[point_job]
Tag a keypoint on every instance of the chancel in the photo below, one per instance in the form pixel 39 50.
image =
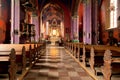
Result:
pixel 59 40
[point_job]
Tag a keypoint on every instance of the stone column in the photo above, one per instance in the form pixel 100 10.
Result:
pixel 15 21
pixel 95 22
pixel 12 20
pixel 87 24
pixel 72 19
pixel 36 27
pixel 46 29
pixel 62 29
pixel 75 27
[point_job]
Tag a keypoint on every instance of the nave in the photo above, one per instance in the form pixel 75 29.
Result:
pixel 57 64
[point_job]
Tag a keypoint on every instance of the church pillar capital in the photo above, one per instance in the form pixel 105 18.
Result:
pixel 75 16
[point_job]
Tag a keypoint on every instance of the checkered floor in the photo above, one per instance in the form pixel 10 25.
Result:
pixel 56 64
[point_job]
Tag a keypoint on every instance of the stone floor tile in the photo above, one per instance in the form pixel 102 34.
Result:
pixel 56 64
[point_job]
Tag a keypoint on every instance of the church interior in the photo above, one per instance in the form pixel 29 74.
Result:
pixel 59 40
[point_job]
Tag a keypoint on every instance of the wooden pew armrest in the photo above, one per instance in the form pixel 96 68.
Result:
pixel 116 60
pixel 4 58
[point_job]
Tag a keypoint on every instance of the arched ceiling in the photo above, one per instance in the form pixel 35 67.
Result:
pixel 71 5
pixel 52 8
pixel 52 11
pixel 67 3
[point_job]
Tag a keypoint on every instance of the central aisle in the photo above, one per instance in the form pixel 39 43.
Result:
pixel 56 64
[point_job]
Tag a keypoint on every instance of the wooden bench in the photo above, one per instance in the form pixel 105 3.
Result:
pixel 7 64
pixel 98 58
pixel 111 62
pixel 95 56
pixel 24 53
pixel 6 48
pixel 25 57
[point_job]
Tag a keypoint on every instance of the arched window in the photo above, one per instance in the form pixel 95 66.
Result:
pixel 113 14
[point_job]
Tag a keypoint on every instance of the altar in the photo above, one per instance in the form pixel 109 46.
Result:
pixel 54 40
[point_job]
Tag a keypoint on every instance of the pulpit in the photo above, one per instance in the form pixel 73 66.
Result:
pixel 27 33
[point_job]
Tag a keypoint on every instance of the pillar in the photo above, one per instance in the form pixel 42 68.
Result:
pixel 15 21
pixel 72 19
pixel 75 28
pixel 62 29
pixel 47 28
pixel 95 22
pixel 36 23
pixel 87 23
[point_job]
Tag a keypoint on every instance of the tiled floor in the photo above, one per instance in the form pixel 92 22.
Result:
pixel 56 64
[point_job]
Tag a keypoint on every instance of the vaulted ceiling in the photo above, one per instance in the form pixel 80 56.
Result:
pixel 55 8
pixel 72 5
pixel 67 3
pixel 52 9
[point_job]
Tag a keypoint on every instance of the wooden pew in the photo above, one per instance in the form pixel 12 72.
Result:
pixel 31 53
pixel 97 56
pixel 20 53
pixel 9 59
pixel 13 66
pixel 5 50
pixel 80 51
pixel 94 55
pixel 24 53
pixel 106 68
pixel 111 62
pixel 41 48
